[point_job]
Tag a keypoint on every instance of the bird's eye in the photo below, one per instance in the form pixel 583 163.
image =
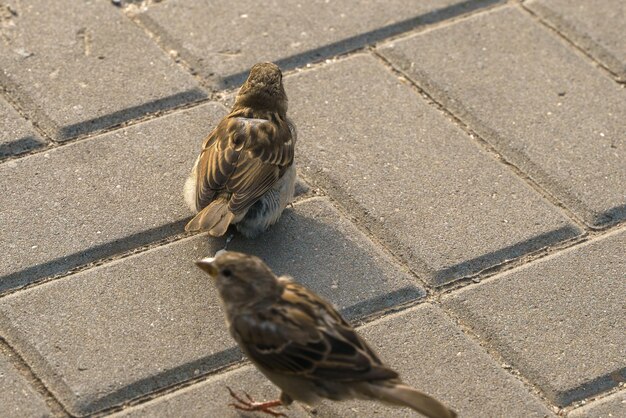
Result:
pixel 227 273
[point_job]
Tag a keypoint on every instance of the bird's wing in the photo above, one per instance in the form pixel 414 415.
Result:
pixel 245 157
pixel 305 336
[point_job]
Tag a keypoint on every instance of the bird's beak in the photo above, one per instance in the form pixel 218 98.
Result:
pixel 207 265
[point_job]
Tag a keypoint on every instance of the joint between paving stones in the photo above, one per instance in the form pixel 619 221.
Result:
pixel 451 20
pixel 146 117
pixel 7 91
pixel 115 120
pixel 361 224
pixel 592 399
pixel 10 289
pixel 363 228
pixel 165 390
pixel 33 380
pixel 588 56
pixel 470 333
pixel 168 46
pixel 527 259
pixel 505 266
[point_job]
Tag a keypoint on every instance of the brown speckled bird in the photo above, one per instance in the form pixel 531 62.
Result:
pixel 245 174
pixel 301 343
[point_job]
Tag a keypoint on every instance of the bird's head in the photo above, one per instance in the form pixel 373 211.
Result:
pixel 241 279
pixel 263 89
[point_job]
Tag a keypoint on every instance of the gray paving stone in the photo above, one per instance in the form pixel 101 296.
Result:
pixel 222 40
pixel 17 134
pixel 115 332
pixel 611 406
pixel 76 67
pixel 17 398
pixel 210 398
pixel 541 104
pixel 559 320
pixel 97 197
pixel 431 353
pixel 598 27
pixel 420 183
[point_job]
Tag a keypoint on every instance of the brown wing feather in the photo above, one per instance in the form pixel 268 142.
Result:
pixel 307 337
pixel 244 156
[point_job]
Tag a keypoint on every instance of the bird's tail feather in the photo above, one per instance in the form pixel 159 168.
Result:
pixel 403 395
pixel 215 218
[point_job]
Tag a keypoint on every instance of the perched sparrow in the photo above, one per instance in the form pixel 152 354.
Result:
pixel 301 343
pixel 245 173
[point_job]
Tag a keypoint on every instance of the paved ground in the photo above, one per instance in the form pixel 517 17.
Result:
pixel 462 199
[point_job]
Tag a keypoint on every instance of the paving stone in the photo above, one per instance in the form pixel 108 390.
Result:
pixel 419 182
pixel 17 398
pixel 210 398
pixel 222 40
pixel 597 27
pixel 97 197
pixel 559 320
pixel 526 91
pixel 612 406
pixel 124 329
pixel 75 67
pixel 17 134
pixel 431 353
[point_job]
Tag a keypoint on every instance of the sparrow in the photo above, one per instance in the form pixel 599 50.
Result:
pixel 301 343
pixel 245 174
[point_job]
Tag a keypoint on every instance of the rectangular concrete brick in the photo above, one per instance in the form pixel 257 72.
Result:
pixel 221 40
pixel 419 182
pixel 17 134
pixel 97 197
pixel 526 91
pixel 78 67
pixel 560 320
pixel 17 397
pixel 211 399
pixel 612 406
pixel 124 329
pixel 432 354
pixel 598 27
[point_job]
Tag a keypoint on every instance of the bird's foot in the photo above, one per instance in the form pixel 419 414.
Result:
pixel 251 406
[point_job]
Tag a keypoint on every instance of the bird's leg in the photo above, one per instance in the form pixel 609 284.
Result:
pixel 223 250
pixel 228 240
pixel 250 405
